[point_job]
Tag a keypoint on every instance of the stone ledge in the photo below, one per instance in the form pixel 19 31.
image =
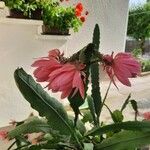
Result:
pixel 21 21
pixel 52 37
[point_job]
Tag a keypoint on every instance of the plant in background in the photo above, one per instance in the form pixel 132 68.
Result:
pixel 58 130
pixel 139 24
pixel 26 7
pixel 58 19
pixel 137 52
pixel 145 63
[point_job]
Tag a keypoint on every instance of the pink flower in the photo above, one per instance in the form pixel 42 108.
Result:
pixel 68 80
pixel 55 53
pixel 61 77
pixel 146 115
pixel 123 66
pixel 46 65
pixel 3 135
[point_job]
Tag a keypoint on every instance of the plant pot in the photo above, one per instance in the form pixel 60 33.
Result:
pixel 37 14
pixel 53 31
pixel 13 13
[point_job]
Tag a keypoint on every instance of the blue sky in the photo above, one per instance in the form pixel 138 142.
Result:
pixel 136 2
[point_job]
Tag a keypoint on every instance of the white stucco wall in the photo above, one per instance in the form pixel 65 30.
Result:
pixel 111 15
pixel 19 45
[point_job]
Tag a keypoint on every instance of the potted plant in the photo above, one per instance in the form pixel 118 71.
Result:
pixel 27 9
pixel 58 19
pixel 58 130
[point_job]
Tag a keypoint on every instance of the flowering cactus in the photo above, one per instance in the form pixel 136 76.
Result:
pixel 70 76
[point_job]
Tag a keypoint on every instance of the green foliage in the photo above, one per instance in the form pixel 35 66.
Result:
pixel 92 108
pixel 87 117
pixel 76 101
pixel 125 140
pixel 52 146
pixel 88 146
pixel 135 107
pixel 129 125
pixel 69 133
pixel 96 37
pixel 25 6
pixel 126 103
pixel 46 106
pixel 137 52
pixel 60 17
pixel 32 125
pixel 117 116
pixel 79 125
pixel 145 65
pixel 42 102
pixel 133 104
pixel 96 95
pixel 139 19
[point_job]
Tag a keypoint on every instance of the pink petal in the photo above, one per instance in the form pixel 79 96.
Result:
pixel 122 55
pixel 61 80
pixel 41 75
pixel 123 79
pixel 65 68
pixel 66 93
pixel 41 62
pixel 54 53
pixel 110 73
pixel 120 69
pixel 78 83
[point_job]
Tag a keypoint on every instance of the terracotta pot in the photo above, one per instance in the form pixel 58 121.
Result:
pixel 54 31
pixel 13 13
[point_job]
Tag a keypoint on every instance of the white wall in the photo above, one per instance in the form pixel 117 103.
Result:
pixel 18 48
pixel 19 45
pixel 111 15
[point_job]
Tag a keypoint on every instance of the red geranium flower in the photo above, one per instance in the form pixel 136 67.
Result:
pixel 123 66
pixel 77 13
pixel 79 7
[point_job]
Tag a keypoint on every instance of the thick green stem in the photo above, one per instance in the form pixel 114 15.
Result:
pixel 105 97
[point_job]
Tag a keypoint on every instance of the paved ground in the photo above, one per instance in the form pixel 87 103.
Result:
pixel 140 91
